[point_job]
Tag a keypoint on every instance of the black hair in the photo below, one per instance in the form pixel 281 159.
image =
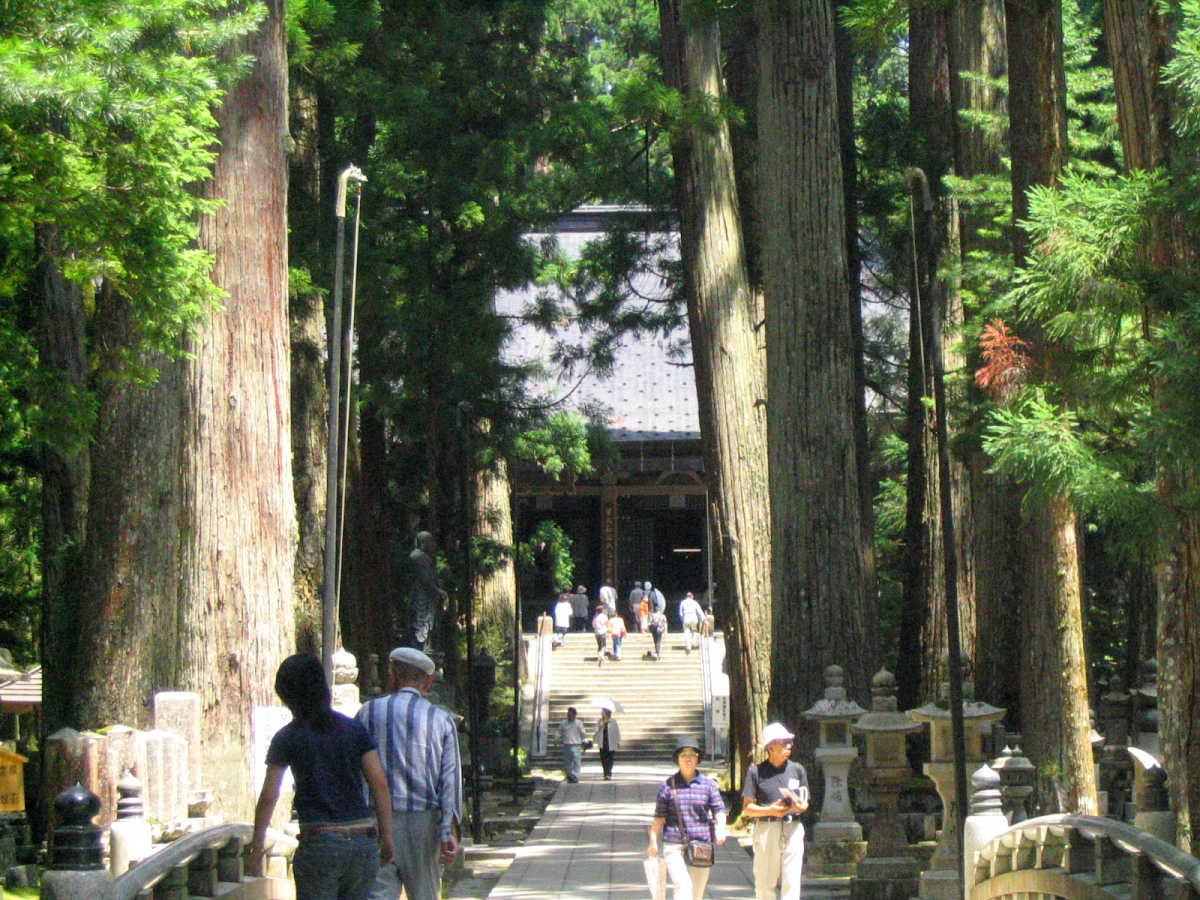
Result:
pixel 300 684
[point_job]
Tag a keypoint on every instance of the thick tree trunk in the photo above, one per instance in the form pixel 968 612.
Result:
pixel 310 210
pixel 822 585
pixel 495 588
pixel 730 365
pixel 987 513
pixel 65 475
pixel 1055 720
pixel 1139 40
pixel 236 622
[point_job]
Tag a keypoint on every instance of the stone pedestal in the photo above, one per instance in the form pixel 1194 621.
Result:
pixel 888 872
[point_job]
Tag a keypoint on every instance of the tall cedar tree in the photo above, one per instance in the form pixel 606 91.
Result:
pixel 1139 37
pixel 729 359
pixel 185 594
pixel 822 584
pixel 1055 721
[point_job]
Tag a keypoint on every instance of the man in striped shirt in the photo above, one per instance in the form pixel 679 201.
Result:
pixel 418 745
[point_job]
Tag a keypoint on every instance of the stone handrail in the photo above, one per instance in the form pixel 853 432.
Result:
pixel 1088 856
pixel 218 849
pixel 710 749
pixel 540 702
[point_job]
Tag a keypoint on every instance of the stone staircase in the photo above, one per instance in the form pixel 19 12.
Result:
pixel 661 699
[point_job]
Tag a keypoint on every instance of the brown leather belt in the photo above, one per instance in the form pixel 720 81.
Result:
pixel 365 830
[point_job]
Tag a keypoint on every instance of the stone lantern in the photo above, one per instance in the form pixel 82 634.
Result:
pixel 888 871
pixel 940 881
pixel 1017 776
pixel 837 837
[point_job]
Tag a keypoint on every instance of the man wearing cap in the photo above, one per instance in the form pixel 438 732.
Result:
pixel 774 795
pixel 418 745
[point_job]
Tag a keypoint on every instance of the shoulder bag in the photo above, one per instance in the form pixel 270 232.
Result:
pixel 701 854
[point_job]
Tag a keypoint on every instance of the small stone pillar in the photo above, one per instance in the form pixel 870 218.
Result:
pixel 1146 719
pixel 76 857
pixel 129 835
pixel 888 872
pixel 1017 775
pixel 346 699
pixel 1150 796
pixel 985 822
pixel 940 880
pixel 837 837
pixel 371 677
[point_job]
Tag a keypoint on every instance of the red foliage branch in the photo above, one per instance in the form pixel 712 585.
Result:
pixel 1006 360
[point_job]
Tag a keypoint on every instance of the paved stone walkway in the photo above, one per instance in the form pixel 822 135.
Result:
pixel 591 841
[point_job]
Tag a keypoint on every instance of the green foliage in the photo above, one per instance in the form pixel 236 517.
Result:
pixel 558 447
pixel 549 547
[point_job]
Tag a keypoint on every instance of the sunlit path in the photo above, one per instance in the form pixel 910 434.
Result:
pixel 592 840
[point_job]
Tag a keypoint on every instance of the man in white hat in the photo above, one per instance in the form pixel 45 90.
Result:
pixel 418 746
pixel 774 794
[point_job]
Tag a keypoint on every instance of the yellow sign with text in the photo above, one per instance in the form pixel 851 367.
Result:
pixel 12 781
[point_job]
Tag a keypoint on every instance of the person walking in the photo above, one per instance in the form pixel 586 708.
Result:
pixel 562 612
pixel 572 736
pixel 617 632
pixel 341 846
pixel 600 630
pixel 691 615
pixel 657 601
pixel 688 807
pixel 635 602
pixel 424 772
pixel 579 608
pixel 658 627
pixel 607 740
pixel 774 794
pixel 608 596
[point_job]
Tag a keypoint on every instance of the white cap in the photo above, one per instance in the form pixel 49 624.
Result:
pixel 775 732
pixel 412 657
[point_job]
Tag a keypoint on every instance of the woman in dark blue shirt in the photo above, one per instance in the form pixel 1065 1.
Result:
pixel 330 755
pixel 688 807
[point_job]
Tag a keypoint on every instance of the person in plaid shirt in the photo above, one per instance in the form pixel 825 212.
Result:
pixel 695 799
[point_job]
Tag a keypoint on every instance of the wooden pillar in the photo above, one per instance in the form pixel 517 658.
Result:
pixel 608 532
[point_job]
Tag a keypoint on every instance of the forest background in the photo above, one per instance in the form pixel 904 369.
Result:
pixel 167 172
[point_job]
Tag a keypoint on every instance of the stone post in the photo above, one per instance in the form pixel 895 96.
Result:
pixel 76 857
pixel 888 872
pixel 940 881
pixel 985 822
pixel 129 837
pixel 1017 776
pixel 837 837
pixel 1146 720
pixel 1153 813
pixel 346 699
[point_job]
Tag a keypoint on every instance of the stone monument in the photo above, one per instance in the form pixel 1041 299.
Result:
pixel 888 872
pixel 837 837
pixel 941 880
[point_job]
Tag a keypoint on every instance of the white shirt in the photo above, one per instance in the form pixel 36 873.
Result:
pixel 562 614
pixel 571 732
pixel 690 611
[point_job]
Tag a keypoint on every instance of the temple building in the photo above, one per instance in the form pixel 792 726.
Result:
pixel 642 515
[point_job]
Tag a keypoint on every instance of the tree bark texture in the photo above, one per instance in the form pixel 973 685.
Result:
pixel 1142 35
pixel 64 472
pixel 822 585
pixel 1037 93
pixel 1055 720
pixel 987 506
pixel 729 360
pixel 1055 715
pixel 236 621
pixel 309 210
pixel 495 590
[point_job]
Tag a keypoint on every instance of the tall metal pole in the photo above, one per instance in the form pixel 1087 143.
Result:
pixel 949 547
pixel 465 429
pixel 329 590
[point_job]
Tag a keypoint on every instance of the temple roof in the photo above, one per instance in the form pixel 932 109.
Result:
pixel 650 392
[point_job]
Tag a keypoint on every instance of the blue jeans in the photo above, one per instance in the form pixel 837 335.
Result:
pixel 616 639
pixel 334 865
